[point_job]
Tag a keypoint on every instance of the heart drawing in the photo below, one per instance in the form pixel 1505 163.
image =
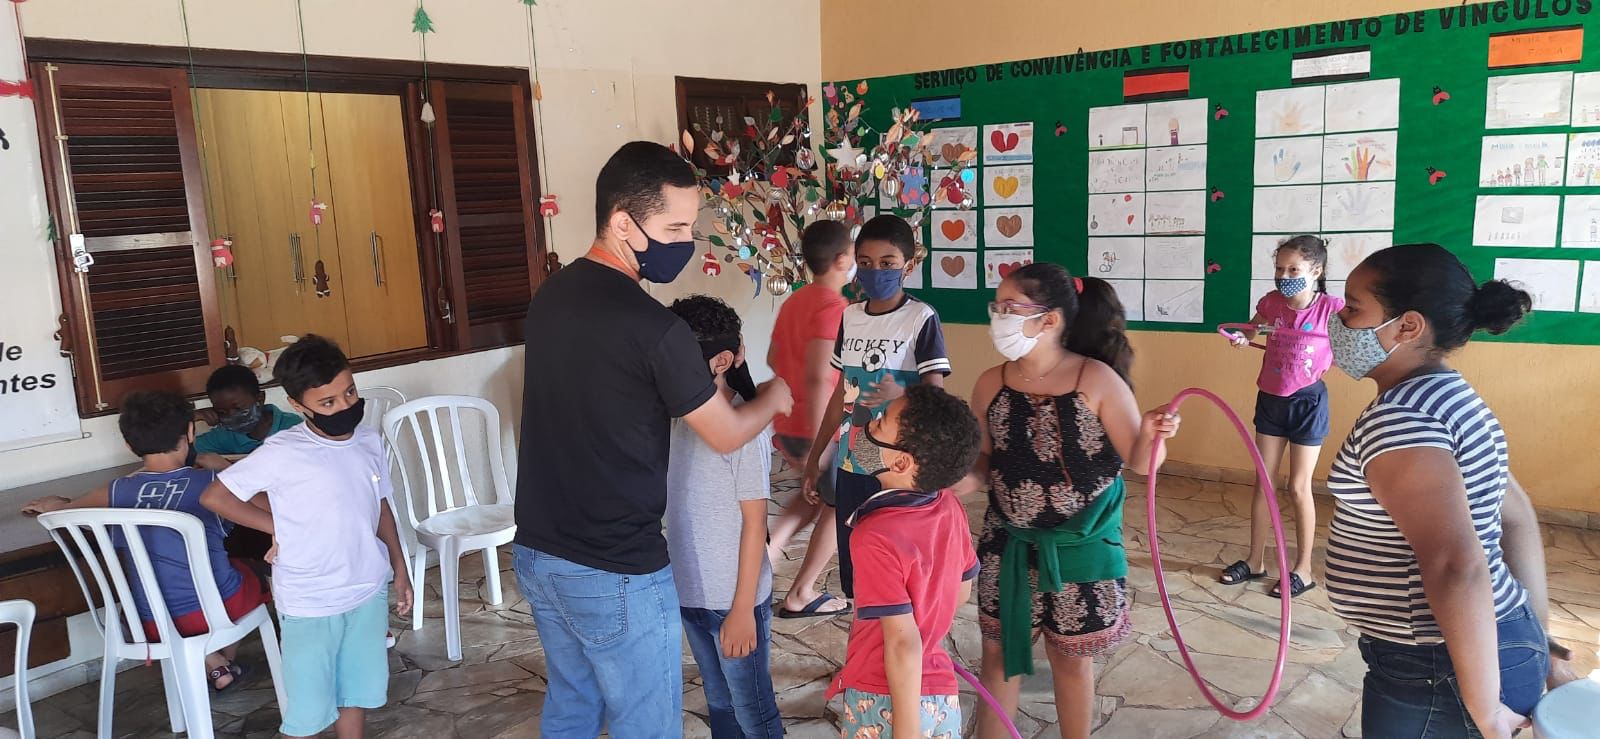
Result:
pixel 1009 226
pixel 1006 268
pixel 1003 140
pixel 1005 187
pixel 953 230
pixel 1130 219
pixel 953 265
pixel 951 152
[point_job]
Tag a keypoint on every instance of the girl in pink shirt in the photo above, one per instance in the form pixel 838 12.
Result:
pixel 1292 404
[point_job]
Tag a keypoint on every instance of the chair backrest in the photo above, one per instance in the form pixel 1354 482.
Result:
pixel 380 400
pixel 436 427
pixel 21 613
pixel 88 538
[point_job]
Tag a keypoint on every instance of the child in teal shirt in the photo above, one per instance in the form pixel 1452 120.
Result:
pixel 239 416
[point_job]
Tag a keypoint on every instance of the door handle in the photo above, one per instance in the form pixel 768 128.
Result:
pixel 297 267
pixel 377 259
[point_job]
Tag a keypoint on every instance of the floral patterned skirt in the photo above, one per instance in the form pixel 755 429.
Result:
pixel 1082 620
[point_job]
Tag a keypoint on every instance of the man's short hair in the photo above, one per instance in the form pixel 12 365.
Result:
pixel 632 180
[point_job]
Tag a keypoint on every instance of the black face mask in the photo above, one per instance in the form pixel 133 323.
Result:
pixel 188 459
pixel 737 376
pixel 342 423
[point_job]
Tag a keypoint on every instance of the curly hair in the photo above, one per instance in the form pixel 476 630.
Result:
pixel 940 433
pixel 716 325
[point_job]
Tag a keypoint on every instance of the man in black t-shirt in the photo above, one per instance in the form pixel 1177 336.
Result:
pixel 607 369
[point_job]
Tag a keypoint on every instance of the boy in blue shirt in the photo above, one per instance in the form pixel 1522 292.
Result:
pixel 886 343
pixel 158 427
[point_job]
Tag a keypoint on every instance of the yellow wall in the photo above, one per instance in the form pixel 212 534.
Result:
pixel 1547 397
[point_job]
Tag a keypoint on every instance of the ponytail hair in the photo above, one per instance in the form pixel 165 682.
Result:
pixel 1427 279
pixel 1313 249
pixel 1096 326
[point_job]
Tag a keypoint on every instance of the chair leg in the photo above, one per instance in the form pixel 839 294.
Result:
pixel 175 708
pixel 190 663
pixel 269 644
pixel 450 576
pixel 491 572
pixel 419 576
pixel 108 690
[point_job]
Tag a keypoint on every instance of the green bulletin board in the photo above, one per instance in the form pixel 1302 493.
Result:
pixel 1434 165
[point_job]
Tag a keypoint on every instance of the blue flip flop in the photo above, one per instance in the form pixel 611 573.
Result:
pixel 812 609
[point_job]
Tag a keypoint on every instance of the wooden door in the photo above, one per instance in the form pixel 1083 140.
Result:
pixel 316 247
pixel 230 130
pixel 375 223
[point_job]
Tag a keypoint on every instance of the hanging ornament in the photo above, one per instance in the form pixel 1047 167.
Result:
pixel 222 252
pixel 436 220
pixel 778 285
pixel 420 22
pixel 428 118
pixel 755 277
pixel 890 187
pixel 710 267
pixel 317 206
pixel 319 280
pixel 18 88
pixel 804 159
pixel 548 207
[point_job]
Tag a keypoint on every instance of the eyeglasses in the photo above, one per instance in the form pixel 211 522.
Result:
pixel 1008 308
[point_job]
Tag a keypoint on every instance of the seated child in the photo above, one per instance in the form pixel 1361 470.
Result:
pixel 157 426
pixel 240 419
pixel 915 565
pixel 336 542
pixel 717 504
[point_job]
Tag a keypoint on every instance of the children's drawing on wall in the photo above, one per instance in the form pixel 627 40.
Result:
pixel 954 270
pixel 1181 212
pixel 1117 214
pixel 1175 258
pixel 1523 100
pixel 1131 293
pixel 1363 106
pixel 1175 301
pixel 1515 220
pixel 1116 258
pixel 1583 160
pixel 1290 161
pixel 1117 127
pixel 1586 102
pixel 1177 122
pixel 1116 171
pixel 948 145
pixel 1589 291
pixel 943 195
pixel 1011 185
pixel 1358 206
pixel 1347 250
pixel 1007 227
pixel 1359 157
pixel 1296 209
pixel 1291 112
pixel 1553 283
pixel 955 229
pixel 1008 143
pixel 1580 222
pixel 998 264
pixel 1529 160
pixel 1175 168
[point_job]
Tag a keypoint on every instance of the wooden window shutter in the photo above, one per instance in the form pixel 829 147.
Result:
pixel 126 174
pixel 494 250
pixel 704 101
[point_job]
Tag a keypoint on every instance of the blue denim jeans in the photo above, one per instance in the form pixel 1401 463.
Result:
pixel 1411 691
pixel 612 644
pixel 739 691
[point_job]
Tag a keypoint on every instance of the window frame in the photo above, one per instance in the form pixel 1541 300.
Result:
pixel 744 90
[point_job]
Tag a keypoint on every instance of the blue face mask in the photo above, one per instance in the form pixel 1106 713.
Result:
pixel 1292 286
pixel 661 262
pixel 880 284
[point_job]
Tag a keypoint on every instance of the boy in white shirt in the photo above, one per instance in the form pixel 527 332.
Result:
pixel 335 538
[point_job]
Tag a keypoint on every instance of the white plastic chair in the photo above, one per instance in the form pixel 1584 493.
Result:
pixel 380 400
pixel 21 613
pixel 92 532
pixel 458 519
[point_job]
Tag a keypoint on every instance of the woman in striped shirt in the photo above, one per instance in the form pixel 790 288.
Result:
pixel 1433 552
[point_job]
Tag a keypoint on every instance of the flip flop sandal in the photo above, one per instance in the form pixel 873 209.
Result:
pixel 1239 573
pixel 812 609
pixel 1296 587
pixel 235 670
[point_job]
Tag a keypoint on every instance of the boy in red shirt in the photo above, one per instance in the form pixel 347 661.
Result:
pixel 801 354
pixel 915 565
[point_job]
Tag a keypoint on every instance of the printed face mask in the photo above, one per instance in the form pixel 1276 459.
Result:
pixel 868 452
pixel 1357 351
pixel 242 420
pixel 1292 286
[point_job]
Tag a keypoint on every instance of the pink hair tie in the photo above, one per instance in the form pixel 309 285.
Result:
pixel 1077 284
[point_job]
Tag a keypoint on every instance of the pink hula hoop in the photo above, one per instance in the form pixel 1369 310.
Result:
pixel 1225 328
pixel 993 704
pixel 1265 478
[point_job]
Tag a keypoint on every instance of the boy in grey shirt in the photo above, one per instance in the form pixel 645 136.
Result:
pixel 717 505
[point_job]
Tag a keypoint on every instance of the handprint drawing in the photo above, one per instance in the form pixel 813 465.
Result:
pixel 1291 119
pixel 1285 165
pixel 1358 163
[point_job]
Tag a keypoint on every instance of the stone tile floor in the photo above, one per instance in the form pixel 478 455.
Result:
pixel 499 688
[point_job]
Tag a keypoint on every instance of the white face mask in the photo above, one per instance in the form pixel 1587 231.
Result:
pixel 1006 333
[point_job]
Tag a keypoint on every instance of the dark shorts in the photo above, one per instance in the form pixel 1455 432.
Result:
pixel 1301 418
pixel 795 447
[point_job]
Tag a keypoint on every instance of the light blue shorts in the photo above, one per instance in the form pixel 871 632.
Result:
pixel 333 662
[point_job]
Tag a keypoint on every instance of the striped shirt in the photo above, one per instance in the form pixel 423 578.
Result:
pixel 1373 579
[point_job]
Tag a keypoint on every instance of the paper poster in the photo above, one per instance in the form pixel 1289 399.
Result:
pixel 1330 64
pixel 1116 214
pixel 1530 160
pixel 915 281
pixel 948 144
pixel 1359 157
pixel 1586 103
pixel 1292 161
pixel 1012 185
pixel 1358 206
pixel 1589 292
pixel 1363 106
pixel 1175 301
pixel 1116 258
pixel 1116 171
pixel 998 264
pixel 1258 290
pixel 954 270
pixel 1295 209
pixel 1515 220
pixel 1131 294
pixel 1175 168
pixel 1583 160
pixel 1263 250
pixel 1178 122
pixel 1553 283
pixel 1523 100
pixel 1008 143
pixel 1007 227
pixel 1117 127
pixel 945 197
pixel 954 229
pixel 1182 212
pixel 1290 112
pixel 1346 251
pixel 1175 257
pixel 1580 222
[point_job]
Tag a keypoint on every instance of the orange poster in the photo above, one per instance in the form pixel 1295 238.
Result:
pixel 1531 48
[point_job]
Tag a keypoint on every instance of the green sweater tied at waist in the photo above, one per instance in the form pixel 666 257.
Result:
pixel 1086 548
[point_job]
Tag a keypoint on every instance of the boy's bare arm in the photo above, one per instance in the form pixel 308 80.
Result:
pixel 389 534
pixel 739 628
pixel 218 499
pixel 98 498
pixel 902 664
